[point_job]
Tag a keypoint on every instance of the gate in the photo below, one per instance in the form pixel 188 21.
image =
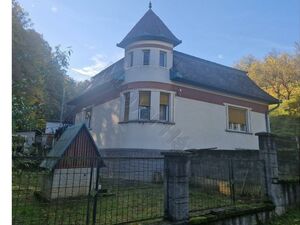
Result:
pixel 93 195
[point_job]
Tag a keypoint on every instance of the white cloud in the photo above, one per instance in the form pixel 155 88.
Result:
pixel 220 56
pixel 99 63
pixel 54 9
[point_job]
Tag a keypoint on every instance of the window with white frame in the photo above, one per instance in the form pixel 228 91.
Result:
pixel 238 119
pixel 164 106
pixel 88 116
pixel 127 105
pixel 146 57
pixel 144 105
pixel 163 58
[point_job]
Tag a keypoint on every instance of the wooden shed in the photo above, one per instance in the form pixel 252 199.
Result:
pixel 71 164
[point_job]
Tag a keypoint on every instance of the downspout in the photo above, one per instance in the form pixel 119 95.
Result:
pixel 267 116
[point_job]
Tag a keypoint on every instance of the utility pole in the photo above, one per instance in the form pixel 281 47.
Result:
pixel 62 104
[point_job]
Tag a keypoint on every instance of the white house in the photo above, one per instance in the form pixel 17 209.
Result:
pixel 156 98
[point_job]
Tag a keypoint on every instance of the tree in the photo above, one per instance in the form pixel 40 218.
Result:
pixel 39 74
pixel 279 75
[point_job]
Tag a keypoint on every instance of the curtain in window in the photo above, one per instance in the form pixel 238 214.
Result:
pixel 237 115
pixel 164 98
pixel 144 99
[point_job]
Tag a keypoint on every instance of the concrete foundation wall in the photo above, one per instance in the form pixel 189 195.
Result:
pixel 256 217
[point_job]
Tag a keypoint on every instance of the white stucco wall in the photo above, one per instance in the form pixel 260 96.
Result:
pixel 204 126
pixel 197 125
pixel 153 71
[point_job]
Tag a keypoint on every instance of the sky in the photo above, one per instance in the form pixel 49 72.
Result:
pixel 219 31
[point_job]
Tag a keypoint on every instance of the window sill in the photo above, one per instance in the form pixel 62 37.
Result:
pixel 239 132
pixel 147 121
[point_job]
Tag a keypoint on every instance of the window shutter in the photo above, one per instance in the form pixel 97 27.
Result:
pixel 144 98
pixel 164 98
pixel 237 115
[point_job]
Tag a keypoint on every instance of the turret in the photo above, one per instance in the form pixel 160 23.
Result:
pixel 149 46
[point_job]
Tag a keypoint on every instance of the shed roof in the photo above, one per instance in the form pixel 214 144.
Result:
pixel 149 27
pixel 63 143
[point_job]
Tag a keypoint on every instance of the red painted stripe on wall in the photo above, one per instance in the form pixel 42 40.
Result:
pixel 181 91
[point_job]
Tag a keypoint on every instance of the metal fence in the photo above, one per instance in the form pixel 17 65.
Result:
pixel 86 191
pixel 225 183
pixel 118 190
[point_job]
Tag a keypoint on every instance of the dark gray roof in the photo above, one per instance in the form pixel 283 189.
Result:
pixel 108 78
pixel 62 145
pixel 114 71
pixel 149 27
pixel 202 73
pixel 194 71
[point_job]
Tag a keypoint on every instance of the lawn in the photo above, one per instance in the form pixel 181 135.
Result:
pixel 291 217
pixel 122 202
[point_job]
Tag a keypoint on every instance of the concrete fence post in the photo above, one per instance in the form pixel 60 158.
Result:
pixel 176 186
pixel 268 153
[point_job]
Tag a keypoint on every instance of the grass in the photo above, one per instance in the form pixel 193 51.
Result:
pixel 124 202
pixel 291 217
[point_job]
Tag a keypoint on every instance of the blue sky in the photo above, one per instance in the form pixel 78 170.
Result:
pixel 219 31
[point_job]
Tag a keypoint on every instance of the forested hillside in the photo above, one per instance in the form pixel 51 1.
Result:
pixel 39 75
pixel 279 74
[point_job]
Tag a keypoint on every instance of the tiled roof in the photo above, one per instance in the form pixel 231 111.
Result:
pixel 197 72
pixel 149 27
pixel 114 71
pixel 209 75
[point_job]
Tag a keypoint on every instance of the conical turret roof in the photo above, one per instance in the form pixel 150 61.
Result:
pixel 149 27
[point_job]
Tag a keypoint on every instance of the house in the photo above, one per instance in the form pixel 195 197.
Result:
pixel 70 164
pixel 31 138
pixel 156 98
pixel 52 126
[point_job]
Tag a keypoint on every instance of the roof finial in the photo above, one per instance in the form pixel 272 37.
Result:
pixel 150 5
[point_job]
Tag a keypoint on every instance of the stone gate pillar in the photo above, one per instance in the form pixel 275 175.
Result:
pixel 268 153
pixel 176 185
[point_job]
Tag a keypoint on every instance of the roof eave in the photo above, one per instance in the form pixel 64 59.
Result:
pixel 125 42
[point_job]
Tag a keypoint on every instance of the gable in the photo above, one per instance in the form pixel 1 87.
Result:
pixel 76 141
pixel 81 153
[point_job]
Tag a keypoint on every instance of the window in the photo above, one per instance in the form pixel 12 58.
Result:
pixel 144 105
pixel 130 59
pixel 146 60
pixel 88 116
pixel 163 59
pixel 164 106
pixel 127 103
pixel 237 119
